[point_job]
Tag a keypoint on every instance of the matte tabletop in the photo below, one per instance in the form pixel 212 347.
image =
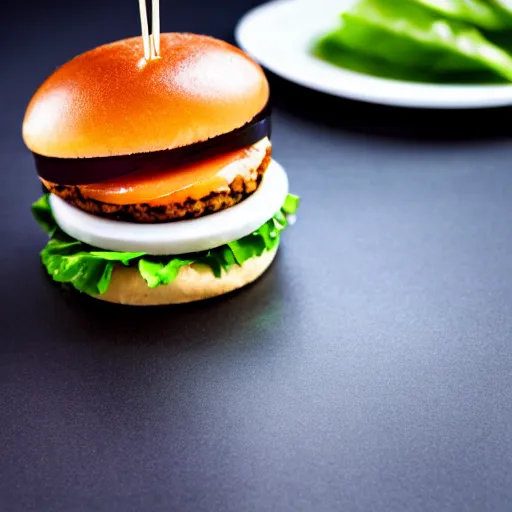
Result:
pixel 369 370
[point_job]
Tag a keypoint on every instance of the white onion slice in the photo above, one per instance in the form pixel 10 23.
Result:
pixel 178 237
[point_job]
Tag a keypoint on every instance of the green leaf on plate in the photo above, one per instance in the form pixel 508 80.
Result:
pixel 475 12
pixel 412 40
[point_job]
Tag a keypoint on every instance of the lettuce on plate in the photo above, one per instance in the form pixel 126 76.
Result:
pixel 329 49
pixel 505 6
pixel 480 13
pixel 410 38
pixel 89 269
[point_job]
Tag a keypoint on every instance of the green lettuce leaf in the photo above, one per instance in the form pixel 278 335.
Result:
pixel 42 212
pixel 504 7
pixel 157 273
pixel 407 36
pixel 89 269
pixel 69 261
pixel 480 13
pixel 291 204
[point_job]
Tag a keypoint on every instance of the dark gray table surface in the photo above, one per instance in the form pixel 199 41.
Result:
pixel 369 370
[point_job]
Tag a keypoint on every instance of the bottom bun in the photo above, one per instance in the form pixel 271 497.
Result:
pixel 193 283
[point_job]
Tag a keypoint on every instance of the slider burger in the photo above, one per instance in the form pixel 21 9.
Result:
pixel 159 182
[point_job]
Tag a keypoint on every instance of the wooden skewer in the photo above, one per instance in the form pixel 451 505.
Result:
pixel 156 28
pixel 152 47
pixel 151 42
pixel 145 29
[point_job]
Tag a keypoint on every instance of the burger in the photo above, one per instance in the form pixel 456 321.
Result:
pixel 158 178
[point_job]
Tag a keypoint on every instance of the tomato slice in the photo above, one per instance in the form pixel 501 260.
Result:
pixel 163 186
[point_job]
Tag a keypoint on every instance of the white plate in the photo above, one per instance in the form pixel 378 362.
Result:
pixel 279 35
pixel 181 237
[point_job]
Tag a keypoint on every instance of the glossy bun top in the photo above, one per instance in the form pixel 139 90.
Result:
pixel 110 101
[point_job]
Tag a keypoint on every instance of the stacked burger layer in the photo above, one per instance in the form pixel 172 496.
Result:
pixel 160 184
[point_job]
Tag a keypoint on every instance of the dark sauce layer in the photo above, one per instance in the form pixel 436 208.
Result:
pixel 83 171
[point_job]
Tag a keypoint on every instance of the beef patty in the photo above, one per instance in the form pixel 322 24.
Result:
pixel 241 187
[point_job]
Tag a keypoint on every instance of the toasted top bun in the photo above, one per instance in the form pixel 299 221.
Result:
pixel 193 283
pixel 110 101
